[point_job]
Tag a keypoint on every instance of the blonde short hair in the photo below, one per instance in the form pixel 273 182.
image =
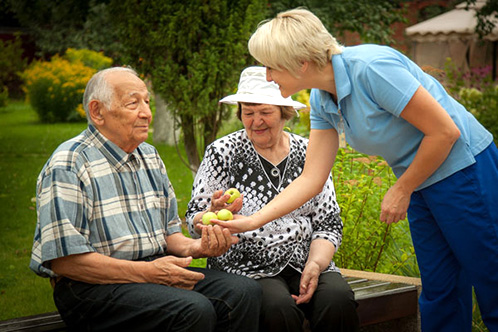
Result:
pixel 290 38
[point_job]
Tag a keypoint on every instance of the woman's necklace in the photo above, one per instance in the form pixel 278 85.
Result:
pixel 276 171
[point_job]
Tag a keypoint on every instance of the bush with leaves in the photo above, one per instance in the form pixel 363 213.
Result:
pixel 369 244
pixel 475 90
pixel 55 88
pixel 92 59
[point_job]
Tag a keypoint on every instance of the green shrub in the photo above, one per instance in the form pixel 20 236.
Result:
pixel 92 59
pixel 476 91
pixel 369 244
pixel 55 88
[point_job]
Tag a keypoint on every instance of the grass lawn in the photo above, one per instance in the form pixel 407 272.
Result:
pixel 25 146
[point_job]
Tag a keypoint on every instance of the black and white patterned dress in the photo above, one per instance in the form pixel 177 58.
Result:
pixel 232 161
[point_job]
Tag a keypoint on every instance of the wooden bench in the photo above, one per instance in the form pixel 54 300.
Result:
pixel 383 299
pixel 386 302
pixel 51 321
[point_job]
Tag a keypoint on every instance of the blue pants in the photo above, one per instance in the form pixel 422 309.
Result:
pixel 219 302
pixel 454 227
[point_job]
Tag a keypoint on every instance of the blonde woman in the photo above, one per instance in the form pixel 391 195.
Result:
pixel 445 160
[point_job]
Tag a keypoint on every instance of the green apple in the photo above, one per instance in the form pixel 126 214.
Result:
pixel 225 215
pixel 234 194
pixel 206 217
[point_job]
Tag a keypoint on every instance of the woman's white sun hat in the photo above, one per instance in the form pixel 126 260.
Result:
pixel 254 88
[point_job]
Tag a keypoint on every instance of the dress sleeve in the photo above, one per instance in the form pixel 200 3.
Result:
pixel 212 175
pixel 325 218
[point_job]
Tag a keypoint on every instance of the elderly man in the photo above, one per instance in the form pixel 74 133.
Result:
pixel 108 232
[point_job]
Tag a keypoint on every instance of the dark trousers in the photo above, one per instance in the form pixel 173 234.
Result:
pixel 332 307
pixel 219 302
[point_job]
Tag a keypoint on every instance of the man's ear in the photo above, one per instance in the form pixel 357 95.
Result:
pixel 95 109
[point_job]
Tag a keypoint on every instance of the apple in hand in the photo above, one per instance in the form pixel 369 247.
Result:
pixel 234 194
pixel 206 217
pixel 225 215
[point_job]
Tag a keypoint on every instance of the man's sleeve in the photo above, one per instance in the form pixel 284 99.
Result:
pixel 62 227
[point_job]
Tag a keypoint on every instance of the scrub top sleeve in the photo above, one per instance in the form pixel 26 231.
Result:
pixel 317 115
pixel 391 84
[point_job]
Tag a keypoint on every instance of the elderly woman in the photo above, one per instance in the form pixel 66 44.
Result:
pixel 445 160
pixel 290 257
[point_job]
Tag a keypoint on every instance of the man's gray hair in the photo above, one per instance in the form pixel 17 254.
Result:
pixel 98 88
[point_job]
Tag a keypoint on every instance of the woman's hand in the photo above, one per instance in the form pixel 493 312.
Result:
pixel 395 204
pixel 239 224
pixel 219 201
pixel 440 133
pixel 308 284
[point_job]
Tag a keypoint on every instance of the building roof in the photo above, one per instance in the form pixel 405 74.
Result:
pixel 457 23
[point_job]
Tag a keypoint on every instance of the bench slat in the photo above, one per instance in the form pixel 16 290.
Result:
pixel 51 321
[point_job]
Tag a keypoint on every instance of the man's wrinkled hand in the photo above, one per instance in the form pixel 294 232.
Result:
pixel 171 271
pixel 215 241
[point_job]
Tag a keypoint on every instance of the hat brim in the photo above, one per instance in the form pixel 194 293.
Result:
pixel 258 99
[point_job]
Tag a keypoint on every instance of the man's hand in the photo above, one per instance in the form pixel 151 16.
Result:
pixel 308 284
pixel 171 271
pixel 214 241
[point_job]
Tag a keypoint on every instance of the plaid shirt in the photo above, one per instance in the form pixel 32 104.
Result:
pixel 94 197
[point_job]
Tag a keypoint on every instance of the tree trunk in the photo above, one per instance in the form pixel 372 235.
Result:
pixel 189 141
pixel 164 123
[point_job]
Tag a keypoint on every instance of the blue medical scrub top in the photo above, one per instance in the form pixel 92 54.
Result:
pixel 374 84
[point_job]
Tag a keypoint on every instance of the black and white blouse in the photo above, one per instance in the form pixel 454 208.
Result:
pixel 232 161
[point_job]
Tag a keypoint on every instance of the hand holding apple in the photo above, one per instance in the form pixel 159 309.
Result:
pixel 220 200
pixel 233 193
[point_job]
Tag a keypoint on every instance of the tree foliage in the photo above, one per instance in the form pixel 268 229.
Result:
pixel 486 16
pixel 193 53
pixel 371 19
pixel 57 25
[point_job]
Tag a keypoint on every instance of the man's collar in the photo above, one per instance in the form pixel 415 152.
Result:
pixel 114 154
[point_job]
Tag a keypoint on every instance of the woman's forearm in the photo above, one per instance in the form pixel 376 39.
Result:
pixel 320 155
pixel 321 253
pixel 440 134
pixel 432 152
